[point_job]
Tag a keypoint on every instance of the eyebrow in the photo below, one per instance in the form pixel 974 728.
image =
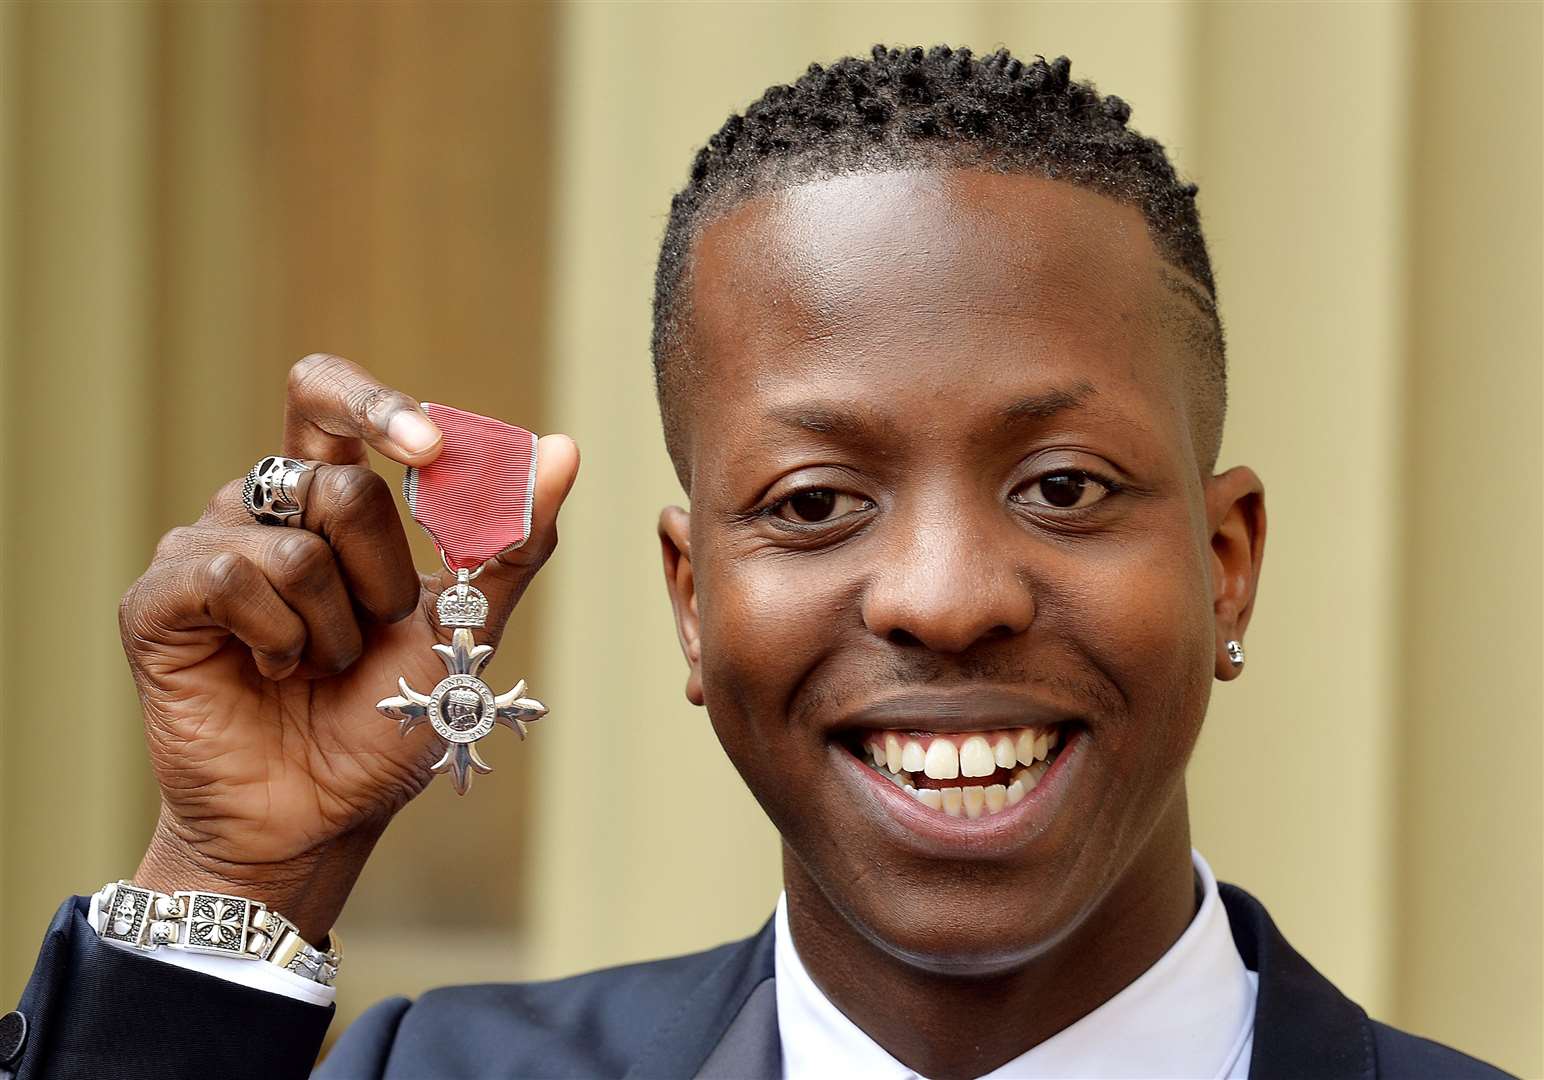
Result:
pixel 1045 405
pixel 840 418
pixel 829 418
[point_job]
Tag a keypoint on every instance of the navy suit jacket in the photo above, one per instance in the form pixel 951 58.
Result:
pixel 97 1012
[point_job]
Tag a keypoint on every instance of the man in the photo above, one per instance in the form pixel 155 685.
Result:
pixel 940 369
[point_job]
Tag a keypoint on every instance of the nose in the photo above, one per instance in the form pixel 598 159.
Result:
pixel 948 582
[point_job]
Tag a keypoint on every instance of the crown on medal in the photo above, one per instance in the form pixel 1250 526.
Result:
pixel 462 607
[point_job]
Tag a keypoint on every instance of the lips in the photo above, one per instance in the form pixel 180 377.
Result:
pixel 963 753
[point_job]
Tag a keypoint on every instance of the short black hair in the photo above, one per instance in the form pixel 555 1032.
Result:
pixel 940 107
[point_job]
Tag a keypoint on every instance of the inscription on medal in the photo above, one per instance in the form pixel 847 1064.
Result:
pixel 462 709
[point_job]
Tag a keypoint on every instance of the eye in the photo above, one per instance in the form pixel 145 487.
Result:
pixel 815 505
pixel 1069 489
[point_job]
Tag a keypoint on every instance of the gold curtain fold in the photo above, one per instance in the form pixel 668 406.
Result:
pixel 467 198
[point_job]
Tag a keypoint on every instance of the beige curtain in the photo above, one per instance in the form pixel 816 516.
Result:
pixel 468 198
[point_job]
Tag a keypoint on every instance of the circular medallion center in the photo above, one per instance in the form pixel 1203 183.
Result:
pixel 461 709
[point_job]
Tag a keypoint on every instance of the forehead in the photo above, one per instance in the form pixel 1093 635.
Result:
pixel 970 283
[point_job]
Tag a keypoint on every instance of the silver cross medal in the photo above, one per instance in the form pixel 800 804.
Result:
pixel 462 708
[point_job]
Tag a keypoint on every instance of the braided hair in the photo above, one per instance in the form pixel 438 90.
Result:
pixel 941 108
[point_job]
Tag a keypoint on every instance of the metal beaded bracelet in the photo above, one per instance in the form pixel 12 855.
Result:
pixel 214 923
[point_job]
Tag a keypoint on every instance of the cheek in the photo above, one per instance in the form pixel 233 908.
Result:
pixel 766 621
pixel 1146 621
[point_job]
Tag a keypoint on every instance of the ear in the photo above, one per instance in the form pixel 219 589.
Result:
pixel 1235 513
pixel 675 541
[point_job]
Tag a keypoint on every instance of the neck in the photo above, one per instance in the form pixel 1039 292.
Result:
pixel 948 1026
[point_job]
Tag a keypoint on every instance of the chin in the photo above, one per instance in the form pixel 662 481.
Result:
pixel 975 932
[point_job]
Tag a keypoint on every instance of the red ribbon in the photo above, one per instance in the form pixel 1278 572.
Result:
pixel 475 498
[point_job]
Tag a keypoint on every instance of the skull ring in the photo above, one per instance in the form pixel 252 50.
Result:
pixel 269 491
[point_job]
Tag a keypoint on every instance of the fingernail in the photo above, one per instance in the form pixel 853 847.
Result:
pixel 412 431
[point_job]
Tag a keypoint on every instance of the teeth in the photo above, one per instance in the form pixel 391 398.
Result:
pixel 1002 751
pixel 900 760
pixel 942 761
pixel 975 801
pixel 976 757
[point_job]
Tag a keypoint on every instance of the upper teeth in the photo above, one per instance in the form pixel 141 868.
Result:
pixel 945 757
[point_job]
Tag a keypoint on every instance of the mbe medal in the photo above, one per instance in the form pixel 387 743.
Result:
pixel 475 500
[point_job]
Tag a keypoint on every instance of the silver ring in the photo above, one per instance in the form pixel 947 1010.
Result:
pixel 270 490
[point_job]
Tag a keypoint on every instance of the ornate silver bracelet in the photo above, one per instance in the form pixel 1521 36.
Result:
pixel 207 922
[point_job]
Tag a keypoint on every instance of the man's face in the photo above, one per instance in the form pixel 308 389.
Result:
pixel 944 488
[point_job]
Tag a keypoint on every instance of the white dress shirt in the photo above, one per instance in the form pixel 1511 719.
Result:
pixel 1190 1015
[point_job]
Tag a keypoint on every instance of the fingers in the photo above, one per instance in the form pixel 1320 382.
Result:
pixel 301 568
pixel 223 589
pixel 279 590
pixel 507 575
pixel 353 508
pixel 335 408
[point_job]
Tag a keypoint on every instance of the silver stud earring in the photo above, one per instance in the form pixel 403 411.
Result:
pixel 1236 653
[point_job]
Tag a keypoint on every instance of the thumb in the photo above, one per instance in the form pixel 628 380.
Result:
pixel 506 575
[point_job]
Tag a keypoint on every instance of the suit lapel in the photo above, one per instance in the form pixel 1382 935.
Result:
pixel 733 1010
pixel 1304 1027
pixel 752 1045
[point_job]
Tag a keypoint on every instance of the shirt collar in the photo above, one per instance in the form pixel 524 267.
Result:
pixel 1189 1015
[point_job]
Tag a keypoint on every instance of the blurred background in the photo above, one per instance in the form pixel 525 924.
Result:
pixel 467 199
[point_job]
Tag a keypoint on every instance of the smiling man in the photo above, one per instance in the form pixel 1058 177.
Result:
pixel 941 372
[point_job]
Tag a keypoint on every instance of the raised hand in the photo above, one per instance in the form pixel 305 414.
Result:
pixel 260 653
